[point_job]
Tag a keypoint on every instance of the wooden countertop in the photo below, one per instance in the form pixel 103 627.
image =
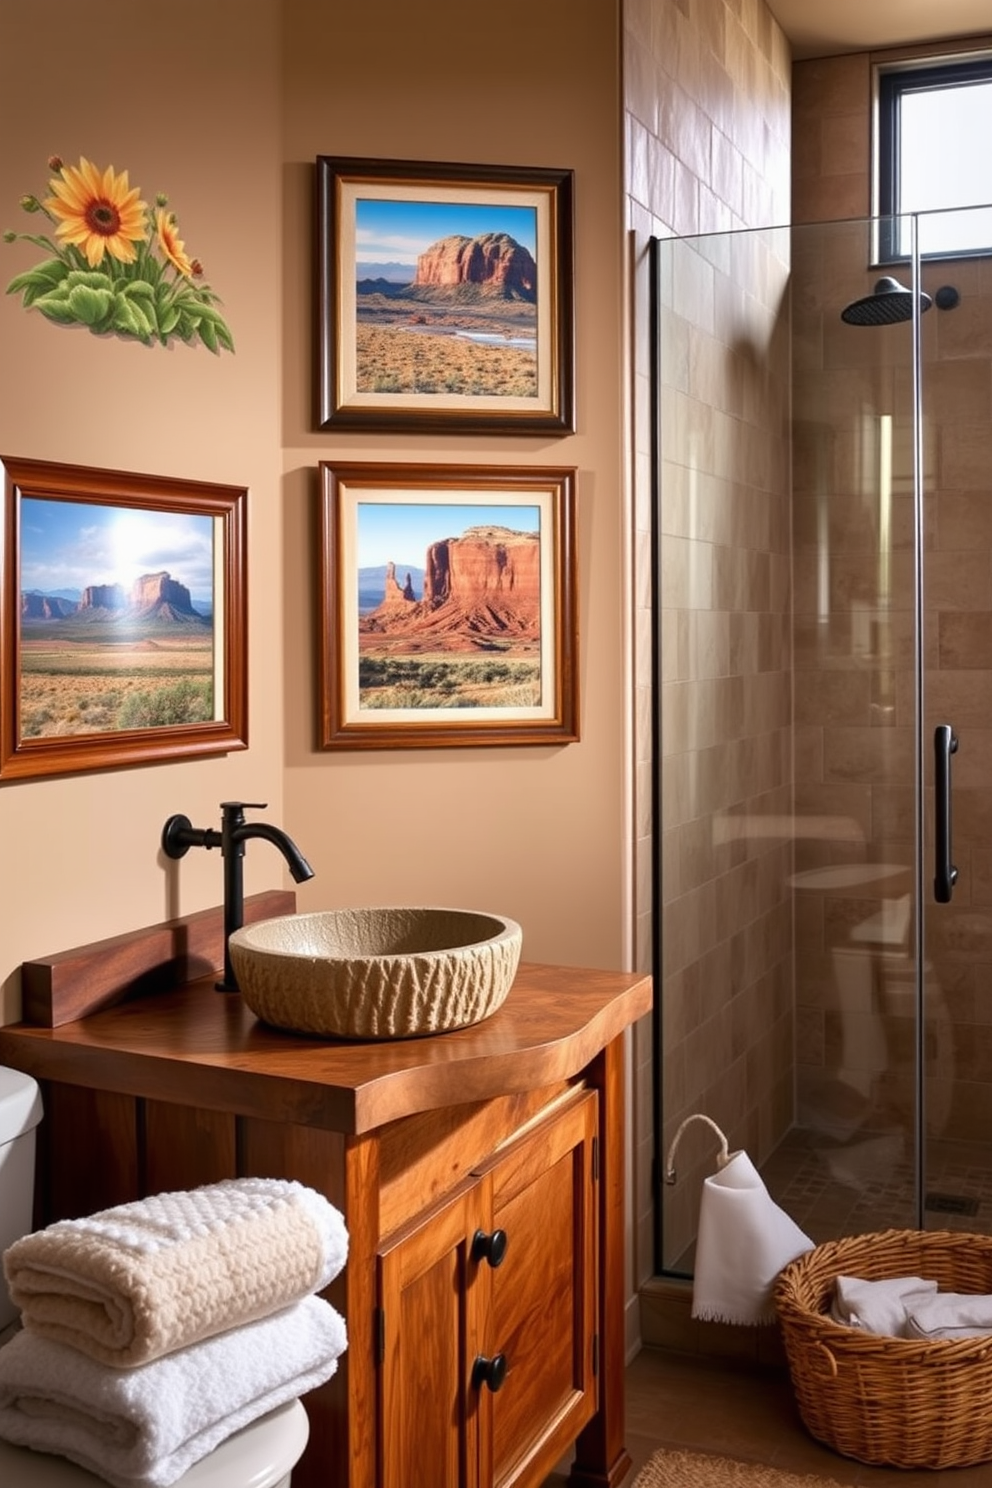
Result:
pixel 165 1046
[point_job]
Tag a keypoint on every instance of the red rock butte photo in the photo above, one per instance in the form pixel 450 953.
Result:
pixel 481 601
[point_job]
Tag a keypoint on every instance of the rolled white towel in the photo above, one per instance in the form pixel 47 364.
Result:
pixel 950 1315
pixel 145 1427
pixel 878 1306
pixel 131 1283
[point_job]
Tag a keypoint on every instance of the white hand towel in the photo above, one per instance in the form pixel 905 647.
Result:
pixel 744 1241
pixel 950 1315
pixel 137 1281
pixel 145 1427
pixel 878 1306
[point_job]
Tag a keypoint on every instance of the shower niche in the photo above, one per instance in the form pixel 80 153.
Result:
pixel 822 681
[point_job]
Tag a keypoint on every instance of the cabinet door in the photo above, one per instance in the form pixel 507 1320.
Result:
pixel 542 1298
pixel 428 1415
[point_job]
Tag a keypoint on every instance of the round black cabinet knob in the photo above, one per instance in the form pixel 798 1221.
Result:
pixel 491 1248
pixel 489 1372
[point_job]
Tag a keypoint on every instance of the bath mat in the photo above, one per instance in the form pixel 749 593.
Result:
pixel 675 1469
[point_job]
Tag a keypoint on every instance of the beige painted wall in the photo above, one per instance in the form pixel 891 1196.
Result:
pixel 225 112
pixel 198 120
pixel 538 833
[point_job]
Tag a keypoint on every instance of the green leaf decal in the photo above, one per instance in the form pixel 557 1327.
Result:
pixel 208 334
pixel 88 279
pixel 45 274
pixel 168 320
pixel 55 307
pixel 139 289
pixel 91 306
pixel 130 321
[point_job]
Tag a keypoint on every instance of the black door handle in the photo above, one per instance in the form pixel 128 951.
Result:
pixel 489 1247
pixel 489 1372
pixel 945 743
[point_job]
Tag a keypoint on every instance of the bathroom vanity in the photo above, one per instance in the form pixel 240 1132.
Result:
pixel 480 1173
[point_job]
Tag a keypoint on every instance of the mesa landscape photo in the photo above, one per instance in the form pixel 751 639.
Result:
pixel 446 299
pixel 461 627
pixel 121 652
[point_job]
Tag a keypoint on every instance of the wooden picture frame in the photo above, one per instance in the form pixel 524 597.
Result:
pixel 123 631
pixel 445 297
pixel 447 606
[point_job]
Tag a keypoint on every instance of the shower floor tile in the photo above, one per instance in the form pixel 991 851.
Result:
pixel 867 1184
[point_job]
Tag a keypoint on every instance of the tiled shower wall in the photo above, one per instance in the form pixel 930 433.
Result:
pixel 707 98
pixel 854 713
pixel 726 706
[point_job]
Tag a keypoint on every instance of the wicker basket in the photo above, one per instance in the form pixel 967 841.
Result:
pixel 890 1401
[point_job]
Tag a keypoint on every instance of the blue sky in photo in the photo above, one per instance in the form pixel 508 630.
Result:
pixel 71 544
pixel 401 533
pixel 397 231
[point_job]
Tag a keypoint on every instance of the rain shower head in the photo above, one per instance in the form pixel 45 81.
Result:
pixel 888 303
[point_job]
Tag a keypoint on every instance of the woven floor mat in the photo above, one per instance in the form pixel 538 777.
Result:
pixel 676 1469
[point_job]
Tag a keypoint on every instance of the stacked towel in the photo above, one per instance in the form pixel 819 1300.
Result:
pixel 878 1306
pixel 155 1329
pixel 129 1284
pixel 148 1425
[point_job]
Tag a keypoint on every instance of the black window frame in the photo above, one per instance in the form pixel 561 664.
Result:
pixel 892 84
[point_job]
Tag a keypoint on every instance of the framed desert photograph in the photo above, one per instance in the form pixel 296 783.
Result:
pixel 447 606
pixel 444 296
pixel 122 618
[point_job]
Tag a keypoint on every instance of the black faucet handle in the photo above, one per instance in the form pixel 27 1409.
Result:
pixel 226 806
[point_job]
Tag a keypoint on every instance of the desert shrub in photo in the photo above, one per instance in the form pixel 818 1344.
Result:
pixel 448 682
pixel 168 704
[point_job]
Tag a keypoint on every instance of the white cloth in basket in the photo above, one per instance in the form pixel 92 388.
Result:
pixel 949 1315
pixel 744 1241
pixel 878 1306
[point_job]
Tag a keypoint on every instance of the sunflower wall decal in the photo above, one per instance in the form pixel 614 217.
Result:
pixel 115 264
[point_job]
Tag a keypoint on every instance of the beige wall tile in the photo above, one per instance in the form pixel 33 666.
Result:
pixel 964 697
pixel 965 640
pixel 878 756
pixel 830 85
pixel 835 697
pixel 963 521
pixel 959 391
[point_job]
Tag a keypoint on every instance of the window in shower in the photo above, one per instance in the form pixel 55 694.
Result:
pixel 933 124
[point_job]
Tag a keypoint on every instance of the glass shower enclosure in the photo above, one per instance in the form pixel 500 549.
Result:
pixel 822 556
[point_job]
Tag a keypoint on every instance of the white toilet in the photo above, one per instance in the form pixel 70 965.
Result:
pixel 261 1455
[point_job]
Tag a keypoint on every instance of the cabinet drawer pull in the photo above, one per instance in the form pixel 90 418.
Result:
pixel 489 1372
pixel 491 1248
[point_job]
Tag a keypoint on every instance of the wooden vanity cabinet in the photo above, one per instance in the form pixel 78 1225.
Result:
pixel 512 1131
pixel 487 1320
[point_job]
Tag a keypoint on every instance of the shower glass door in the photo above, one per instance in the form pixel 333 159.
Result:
pixel 956 436
pixel 823 602
pixel 852 1156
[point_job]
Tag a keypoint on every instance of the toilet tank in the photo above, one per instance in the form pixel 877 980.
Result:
pixel 20 1112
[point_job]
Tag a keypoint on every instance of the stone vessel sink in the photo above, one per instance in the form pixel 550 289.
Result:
pixel 376 973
